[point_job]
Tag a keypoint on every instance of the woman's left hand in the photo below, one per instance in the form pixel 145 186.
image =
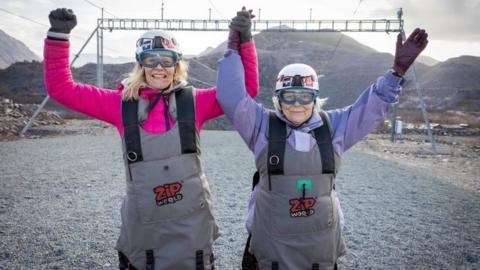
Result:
pixel 406 53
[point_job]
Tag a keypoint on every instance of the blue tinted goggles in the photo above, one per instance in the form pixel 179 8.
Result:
pixel 301 95
pixel 153 58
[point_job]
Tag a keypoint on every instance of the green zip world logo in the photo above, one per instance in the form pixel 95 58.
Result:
pixel 303 206
pixel 168 193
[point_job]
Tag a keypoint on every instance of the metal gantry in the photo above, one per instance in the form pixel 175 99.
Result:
pixel 128 24
pixel 382 25
pixel 110 24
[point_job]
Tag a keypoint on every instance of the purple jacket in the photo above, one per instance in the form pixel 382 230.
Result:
pixel 350 124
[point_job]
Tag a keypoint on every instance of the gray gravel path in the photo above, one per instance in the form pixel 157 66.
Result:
pixel 60 200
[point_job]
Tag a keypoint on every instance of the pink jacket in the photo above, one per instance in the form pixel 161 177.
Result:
pixel 105 104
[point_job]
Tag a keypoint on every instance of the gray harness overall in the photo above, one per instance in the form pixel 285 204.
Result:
pixel 296 220
pixel 167 221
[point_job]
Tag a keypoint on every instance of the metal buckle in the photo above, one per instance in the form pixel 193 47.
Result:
pixel 132 156
pixel 274 160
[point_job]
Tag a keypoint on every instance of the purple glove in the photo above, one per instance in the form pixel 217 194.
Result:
pixel 406 53
pixel 240 29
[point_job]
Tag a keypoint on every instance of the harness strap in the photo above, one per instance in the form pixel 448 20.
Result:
pixel 249 262
pixel 255 180
pixel 186 120
pixel 199 260
pixel 277 136
pixel 131 131
pixel 275 266
pixel 323 136
pixel 150 260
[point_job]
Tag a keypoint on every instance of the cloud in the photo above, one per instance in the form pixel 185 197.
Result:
pixel 443 19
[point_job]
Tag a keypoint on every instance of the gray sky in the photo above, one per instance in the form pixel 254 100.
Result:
pixel 452 24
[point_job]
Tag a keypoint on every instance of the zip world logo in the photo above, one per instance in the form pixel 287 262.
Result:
pixel 302 207
pixel 168 193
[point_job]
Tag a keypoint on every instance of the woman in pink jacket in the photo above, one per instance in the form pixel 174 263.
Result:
pixel 167 222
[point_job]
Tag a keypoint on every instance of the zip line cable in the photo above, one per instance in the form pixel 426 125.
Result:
pixel 340 39
pixel 47 26
pixel 104 9
pixel 197 80
pixel 23 17
pixel 214 7
pixel 202 64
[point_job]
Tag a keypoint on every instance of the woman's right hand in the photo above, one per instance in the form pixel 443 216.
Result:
pixel 62 20
pixel 240 28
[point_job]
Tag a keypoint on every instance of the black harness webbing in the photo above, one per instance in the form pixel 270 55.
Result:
pixel 323 136
pixel 150 260
pixel 186 125
pixel 131 131
pixel 186 120
pixel 277 136
pixel 199 260
pixel 249 262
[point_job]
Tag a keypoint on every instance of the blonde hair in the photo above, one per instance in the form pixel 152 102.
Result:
pixel 136 79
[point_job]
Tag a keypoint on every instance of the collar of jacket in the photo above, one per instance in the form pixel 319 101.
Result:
pixel 312 123
pixel 147 91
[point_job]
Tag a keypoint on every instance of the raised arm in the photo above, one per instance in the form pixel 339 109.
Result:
pixel 102 104
pixel 242 111
pixel 241 40
pixel 354 122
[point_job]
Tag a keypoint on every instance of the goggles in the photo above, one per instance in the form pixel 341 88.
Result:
pixel 162 57
pixel 303 96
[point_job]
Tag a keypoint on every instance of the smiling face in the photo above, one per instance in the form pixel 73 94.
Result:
pixel 297 114
pixel 159 77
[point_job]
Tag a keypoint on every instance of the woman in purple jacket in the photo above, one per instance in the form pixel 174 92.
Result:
pixel 294 218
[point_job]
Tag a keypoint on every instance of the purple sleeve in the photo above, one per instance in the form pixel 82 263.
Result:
pixel 243 112
pixel 352 123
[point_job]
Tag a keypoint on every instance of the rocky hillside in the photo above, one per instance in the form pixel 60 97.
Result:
pixel 450 85
pixel 347 70
pixel 13 50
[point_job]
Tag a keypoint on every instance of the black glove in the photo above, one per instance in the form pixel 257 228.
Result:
pixel 62 20
pixel 240 28
pixel 406 53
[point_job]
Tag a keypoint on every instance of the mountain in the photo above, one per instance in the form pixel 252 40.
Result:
pixel 347 66
pixel 86 58
pixel 13 50
pixel 450 85
pixel 427 60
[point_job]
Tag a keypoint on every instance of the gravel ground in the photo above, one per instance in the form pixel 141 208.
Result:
pixel 60 200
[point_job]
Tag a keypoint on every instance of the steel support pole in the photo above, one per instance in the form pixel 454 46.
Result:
pixel 420 98
pixel 45 100
pixel 100 53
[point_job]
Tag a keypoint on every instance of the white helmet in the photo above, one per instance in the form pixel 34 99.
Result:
pixel 157 39
pixel 297 75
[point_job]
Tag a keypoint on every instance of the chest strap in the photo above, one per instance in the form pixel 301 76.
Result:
pixel 323 136
pixel 185 107
pixel 131 131
pixel 277 136
pixel 186 120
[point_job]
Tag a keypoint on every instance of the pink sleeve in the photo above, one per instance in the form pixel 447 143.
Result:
pixel 248 54
pixel 206 105
pixel 102 104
